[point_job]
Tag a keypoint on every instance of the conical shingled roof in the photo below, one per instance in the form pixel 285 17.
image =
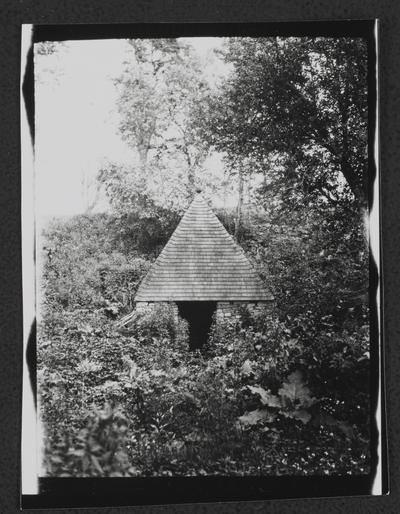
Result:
pixel 201 262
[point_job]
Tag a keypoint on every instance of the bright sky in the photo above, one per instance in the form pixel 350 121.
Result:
pixel 77 121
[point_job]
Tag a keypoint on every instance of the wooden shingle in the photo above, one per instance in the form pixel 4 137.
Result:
pixel 201 262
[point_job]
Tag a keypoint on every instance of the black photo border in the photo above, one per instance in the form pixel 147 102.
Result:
pixel 107 492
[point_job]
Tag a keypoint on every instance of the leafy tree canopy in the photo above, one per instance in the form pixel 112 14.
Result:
pixel 158 89
pixel 297 108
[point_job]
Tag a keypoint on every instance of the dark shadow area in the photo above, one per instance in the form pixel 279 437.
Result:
pixel 199 317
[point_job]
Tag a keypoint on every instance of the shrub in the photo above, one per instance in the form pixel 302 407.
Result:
pixel 83 265
pixel 157 321
pixel 99 449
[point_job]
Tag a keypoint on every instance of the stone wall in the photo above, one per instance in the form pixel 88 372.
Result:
pixel 230 310
pixel 144 306
pixel 225 310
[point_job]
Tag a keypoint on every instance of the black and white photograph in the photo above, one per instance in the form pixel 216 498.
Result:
pixel 202 215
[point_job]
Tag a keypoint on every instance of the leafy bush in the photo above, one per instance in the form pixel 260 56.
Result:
pixel 157 321
pixel 83 266
pixel 99 449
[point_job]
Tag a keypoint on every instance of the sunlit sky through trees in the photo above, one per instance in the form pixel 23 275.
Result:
pixel 77 119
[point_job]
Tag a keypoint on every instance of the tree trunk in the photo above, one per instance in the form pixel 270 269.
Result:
pixel 143 151
pixel 191 181
pixel 240 203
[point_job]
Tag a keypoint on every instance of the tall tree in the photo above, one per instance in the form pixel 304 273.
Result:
pixel 297 106
pixel 158 90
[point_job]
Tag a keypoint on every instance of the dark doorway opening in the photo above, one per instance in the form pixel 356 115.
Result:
pixel 199 317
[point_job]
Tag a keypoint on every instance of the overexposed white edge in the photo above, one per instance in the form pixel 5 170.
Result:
pixel 29 433
pixel 375 234
pixel 29 475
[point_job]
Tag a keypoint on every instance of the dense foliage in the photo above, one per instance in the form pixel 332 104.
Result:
pixel 297 108
pixel 267 395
